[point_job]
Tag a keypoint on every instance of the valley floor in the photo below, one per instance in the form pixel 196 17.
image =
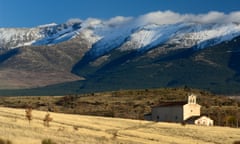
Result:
pixel 20 79
pixel 78 129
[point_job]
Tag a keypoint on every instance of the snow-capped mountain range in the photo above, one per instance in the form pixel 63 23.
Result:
pixel 41 35
pixel 125 52
pixel 123 33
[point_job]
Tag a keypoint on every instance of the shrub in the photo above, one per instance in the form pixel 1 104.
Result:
pixel 48 141
pixel 183 123
pixel 75 128
pixel 29 114
pixel 47 119
pixel 2 141
pixel 236 142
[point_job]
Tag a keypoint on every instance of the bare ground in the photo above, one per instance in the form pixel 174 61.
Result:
pixel 15 79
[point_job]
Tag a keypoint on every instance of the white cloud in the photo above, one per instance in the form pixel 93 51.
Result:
pixel 118 20
pixel 74 20
pixel 234 17
pixel 211 17
pixel 91 22
pixel 169 17
pixel 163 17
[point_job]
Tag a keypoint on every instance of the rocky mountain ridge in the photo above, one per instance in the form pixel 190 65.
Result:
pixel 123 53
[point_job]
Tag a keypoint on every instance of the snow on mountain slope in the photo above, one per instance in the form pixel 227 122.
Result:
pixel 57 34
pixel 139 37
pixel 183 35
pixel 150 36
pixel 15 37
pixel 126 33
pixel 42 35
pixel 107 37
pixel 203 35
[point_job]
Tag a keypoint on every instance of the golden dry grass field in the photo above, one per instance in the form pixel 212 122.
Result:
pixel 78 129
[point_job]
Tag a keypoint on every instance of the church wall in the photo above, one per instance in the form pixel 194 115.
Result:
pixel 190 110
pixel 205 121
pixel 168 114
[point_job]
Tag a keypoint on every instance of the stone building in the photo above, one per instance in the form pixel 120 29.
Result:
pixel 204 121
pixel 175 111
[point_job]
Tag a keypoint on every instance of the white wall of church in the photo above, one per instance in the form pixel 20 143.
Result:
pixel 176 113
pixel 190 110
pixel 205 121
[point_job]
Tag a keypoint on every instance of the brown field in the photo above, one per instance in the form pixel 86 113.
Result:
pixel 16 79
pixel 79 129
pixel 129 104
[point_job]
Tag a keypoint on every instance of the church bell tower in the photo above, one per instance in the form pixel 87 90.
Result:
pixel 192 99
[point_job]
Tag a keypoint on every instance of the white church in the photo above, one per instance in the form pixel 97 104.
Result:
pixel 188 112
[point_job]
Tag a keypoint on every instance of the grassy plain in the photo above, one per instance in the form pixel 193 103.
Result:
pixel 80 129
pixel 131 104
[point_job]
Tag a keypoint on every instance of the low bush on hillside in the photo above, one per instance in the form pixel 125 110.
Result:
pixel 132 104
pixel 2 141
pixel 236 142
pixel 183 123
pixel 48 141
pixel 47 119
pixel 29 114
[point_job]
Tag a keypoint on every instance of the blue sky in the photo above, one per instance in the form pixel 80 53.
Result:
pixel 30 13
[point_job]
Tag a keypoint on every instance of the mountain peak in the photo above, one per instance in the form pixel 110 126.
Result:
pixel 162 46
pixel 128 33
